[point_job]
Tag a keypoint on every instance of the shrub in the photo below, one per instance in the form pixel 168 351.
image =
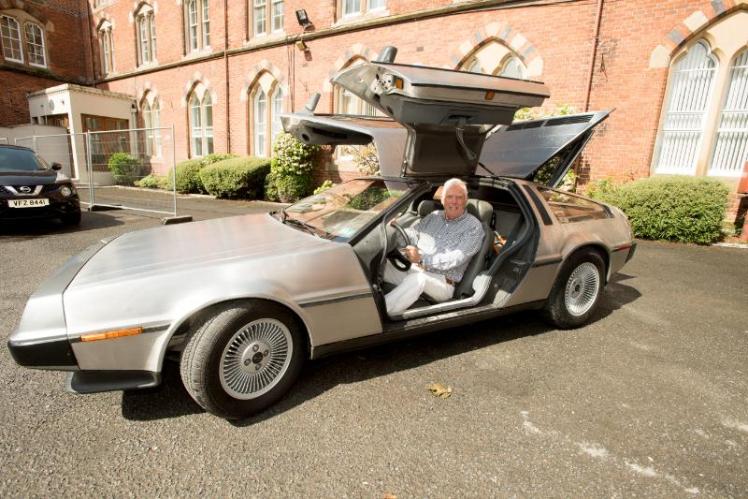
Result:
pixel 684 209
pixel 322 188
pixel 291 169
pixel 154 182
pixel 188 172
pixel 124 167
pixel 236 177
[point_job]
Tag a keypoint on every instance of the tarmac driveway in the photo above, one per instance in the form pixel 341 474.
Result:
pixel 649 399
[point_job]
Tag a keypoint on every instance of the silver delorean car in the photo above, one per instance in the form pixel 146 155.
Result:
pixel 243 302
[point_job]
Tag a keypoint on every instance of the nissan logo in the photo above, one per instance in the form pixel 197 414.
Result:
pixel 25 189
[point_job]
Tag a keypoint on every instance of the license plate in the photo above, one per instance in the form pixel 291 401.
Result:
pixel 28 203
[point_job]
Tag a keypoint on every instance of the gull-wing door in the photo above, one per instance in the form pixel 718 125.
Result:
pixel 388 136
pixel 446 113
pixel 539 150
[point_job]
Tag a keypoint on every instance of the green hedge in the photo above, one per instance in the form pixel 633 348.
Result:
pixel 684 209
pixel 124 167
pixel 236 177
pixel 188 172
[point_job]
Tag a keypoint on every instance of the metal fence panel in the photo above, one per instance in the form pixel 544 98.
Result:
pixel 129 169
pixel 3 140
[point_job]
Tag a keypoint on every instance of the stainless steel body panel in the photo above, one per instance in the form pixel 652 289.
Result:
pixel 164 275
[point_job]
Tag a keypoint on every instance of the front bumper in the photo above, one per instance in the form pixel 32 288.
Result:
pixel 47 353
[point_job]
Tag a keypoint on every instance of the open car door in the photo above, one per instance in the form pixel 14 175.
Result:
pixel 539 150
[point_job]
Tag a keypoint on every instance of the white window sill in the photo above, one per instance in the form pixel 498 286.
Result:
pixel 266 37
pixel 41 66
pixel 362 17
pixel 15 61
pixel 194 54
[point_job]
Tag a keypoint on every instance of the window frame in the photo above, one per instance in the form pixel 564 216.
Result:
pixel 145 35
pixel 204 135
pixel 19 40
pixel 43 45
pixel 364 8
pixel 263 126
pixel 267 8
pixel 197 35
pixel 151 112
pixel 106 48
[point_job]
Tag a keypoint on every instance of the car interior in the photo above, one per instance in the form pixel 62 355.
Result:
pixel 493 271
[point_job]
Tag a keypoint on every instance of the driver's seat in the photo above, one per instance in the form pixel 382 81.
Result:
pixel 483 211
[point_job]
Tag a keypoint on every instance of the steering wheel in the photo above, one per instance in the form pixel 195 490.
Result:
pixel 394 255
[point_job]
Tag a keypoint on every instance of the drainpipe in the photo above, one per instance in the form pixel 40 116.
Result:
pixel 598 20
pixel 226 70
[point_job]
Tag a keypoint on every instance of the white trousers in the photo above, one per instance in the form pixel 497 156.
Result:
pixel 411 284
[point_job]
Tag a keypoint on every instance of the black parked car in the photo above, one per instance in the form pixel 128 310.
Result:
pixel 30 188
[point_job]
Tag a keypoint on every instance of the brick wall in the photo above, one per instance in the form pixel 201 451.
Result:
pixel 557 40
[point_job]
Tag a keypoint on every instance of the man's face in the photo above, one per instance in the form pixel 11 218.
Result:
pixel 454 202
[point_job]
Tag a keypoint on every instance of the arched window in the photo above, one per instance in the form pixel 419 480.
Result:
pixel 259 122
pixel 105 48
pixel 691 82
pixel 496 59
pixel 145 31
pixel 512 68
pixel 260 16
pixel 151 123
pixel 266 103
pixel 197 24
pixel 201 124
pixel 35 45
pixel 11 38
pixel 731 147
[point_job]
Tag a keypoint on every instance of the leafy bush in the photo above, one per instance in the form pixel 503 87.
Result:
pixel 188 172
pixel 154 182
pixel 684 209
pixel 236 177
pixel 290 175
pixel 124 167
pixel 322 188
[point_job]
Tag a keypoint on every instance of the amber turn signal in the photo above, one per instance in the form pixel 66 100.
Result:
pixel 110 335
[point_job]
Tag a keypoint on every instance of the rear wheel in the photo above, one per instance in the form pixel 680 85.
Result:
pixel 243 359
pixel 577 290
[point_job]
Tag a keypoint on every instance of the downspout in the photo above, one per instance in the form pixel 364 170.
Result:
pixel 91 38
pixel 598 20
pixel 226 70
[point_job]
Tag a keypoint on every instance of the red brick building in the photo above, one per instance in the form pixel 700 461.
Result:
pixel 222 70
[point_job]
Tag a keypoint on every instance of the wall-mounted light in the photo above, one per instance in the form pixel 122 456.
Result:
pixel 303 19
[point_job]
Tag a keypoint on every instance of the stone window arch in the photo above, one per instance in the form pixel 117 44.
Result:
pixel 494 58
pixel 200 113
pixel 145 34
pixel 266 103
pixel 704 115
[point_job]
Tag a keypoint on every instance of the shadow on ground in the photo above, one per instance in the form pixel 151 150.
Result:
pixel 172 400
pixel 32 228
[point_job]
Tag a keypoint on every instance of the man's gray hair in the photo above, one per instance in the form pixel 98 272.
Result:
pixel 452 182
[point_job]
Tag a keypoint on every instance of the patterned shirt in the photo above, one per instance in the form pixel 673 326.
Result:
pixel 446 246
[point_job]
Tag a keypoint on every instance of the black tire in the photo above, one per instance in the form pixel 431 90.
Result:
pixel 577 274
pixel 239 393
pixel 72 219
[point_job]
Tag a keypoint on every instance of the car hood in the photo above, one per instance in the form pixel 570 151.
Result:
pixel 193 245
pixel 40 177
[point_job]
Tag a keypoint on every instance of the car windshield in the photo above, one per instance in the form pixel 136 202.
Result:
pixel 20 160
pixel 339 212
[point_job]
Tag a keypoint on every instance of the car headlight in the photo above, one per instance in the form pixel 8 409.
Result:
pixel 66 191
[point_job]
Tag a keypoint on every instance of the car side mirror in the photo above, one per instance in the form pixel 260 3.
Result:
pixel 56 166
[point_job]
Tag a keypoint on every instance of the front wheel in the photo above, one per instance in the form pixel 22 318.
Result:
pixel 576 292
pixel 243 359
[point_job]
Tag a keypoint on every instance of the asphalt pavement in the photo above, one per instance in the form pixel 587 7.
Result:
pixel 650 399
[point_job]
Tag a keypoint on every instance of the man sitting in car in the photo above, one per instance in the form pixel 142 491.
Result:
pixel 443 243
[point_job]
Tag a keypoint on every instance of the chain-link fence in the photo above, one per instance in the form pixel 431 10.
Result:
pixel 130 169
